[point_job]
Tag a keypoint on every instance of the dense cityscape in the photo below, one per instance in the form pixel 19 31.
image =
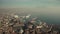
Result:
pixel 29 16
pixel 14 24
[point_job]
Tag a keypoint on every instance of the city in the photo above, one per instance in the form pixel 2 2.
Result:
pixel 14 24
pixel 29 16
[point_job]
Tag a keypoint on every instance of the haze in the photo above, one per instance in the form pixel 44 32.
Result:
pixel 48 10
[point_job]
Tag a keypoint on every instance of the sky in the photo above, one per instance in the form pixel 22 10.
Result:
pixel 50 9
pixel 29 3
